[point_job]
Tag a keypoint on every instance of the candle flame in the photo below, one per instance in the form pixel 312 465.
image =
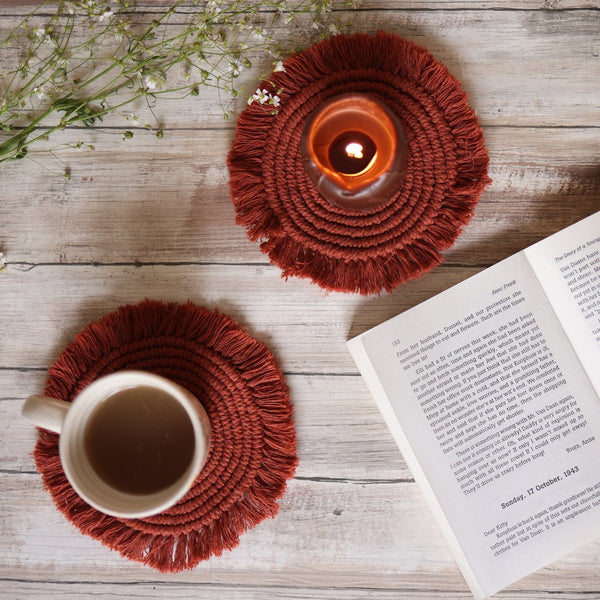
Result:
pixel 354 150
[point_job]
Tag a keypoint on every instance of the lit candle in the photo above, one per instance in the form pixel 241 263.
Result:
pixel 352 153
pixel 354 150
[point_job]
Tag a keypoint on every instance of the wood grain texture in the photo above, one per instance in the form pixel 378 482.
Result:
pixel 341 436
pixel 328 534
pixel 147 218
pixel 519 68
pixel 57 591
pixel 273 310
pixel 187 215
pixel 19 7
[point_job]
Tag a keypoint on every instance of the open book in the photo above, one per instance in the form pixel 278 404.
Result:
pixel 491 390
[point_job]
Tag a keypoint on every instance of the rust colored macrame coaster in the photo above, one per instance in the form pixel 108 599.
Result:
pixel 347 250
pixel 253 446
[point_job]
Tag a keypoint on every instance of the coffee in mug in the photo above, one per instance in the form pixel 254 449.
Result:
pixel 131 443
pixel 139 440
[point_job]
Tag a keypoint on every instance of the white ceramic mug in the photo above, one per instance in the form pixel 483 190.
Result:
pixel 70 419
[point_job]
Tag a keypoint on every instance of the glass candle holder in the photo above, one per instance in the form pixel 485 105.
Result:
pixel 355 151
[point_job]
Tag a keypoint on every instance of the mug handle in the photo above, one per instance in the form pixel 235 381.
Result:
pixel 48 413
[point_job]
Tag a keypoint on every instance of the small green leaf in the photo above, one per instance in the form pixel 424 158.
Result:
pixel 60 73
pixel 67 105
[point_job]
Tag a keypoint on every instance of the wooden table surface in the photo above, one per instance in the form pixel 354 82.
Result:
pixel 147 218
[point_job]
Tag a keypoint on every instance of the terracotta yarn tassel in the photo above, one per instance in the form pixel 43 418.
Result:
pixel 253 446
pixel 342 249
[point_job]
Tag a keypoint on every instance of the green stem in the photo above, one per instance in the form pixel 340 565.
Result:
pixel 19 140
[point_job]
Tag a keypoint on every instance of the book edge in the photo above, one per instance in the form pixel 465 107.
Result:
pixel 367 371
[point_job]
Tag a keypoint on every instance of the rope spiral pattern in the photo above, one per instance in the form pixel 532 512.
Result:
pixel 342 249
pixel 253 445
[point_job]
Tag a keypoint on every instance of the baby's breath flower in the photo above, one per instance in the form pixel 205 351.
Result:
pixel 43 35
pixel 121 29
pixel 2 261
pixel 39 32
pixel 150 82
pixel 107 14
pixel 153 81
pixel 279 67
pixel 264 97
pixel 260 34
pixel 212 7
pixel 261 96
pixel 235 67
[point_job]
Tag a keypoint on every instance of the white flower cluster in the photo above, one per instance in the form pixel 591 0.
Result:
pixel 154 81
pixel 264 97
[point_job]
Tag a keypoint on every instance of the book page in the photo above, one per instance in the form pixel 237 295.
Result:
pixel 567 265
pixel 487 400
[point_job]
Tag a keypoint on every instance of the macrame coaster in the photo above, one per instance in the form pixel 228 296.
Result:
pixel 347 250
pixel 253 446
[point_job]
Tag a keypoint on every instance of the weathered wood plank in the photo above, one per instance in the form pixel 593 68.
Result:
pixel 18 7
pixel 507 60
pixel 400 5
pixel 384 528
pixel 147 200
pixel 44 307
pixel 27 590
pixel 18 590
pixel 326 534
pixel 341 435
